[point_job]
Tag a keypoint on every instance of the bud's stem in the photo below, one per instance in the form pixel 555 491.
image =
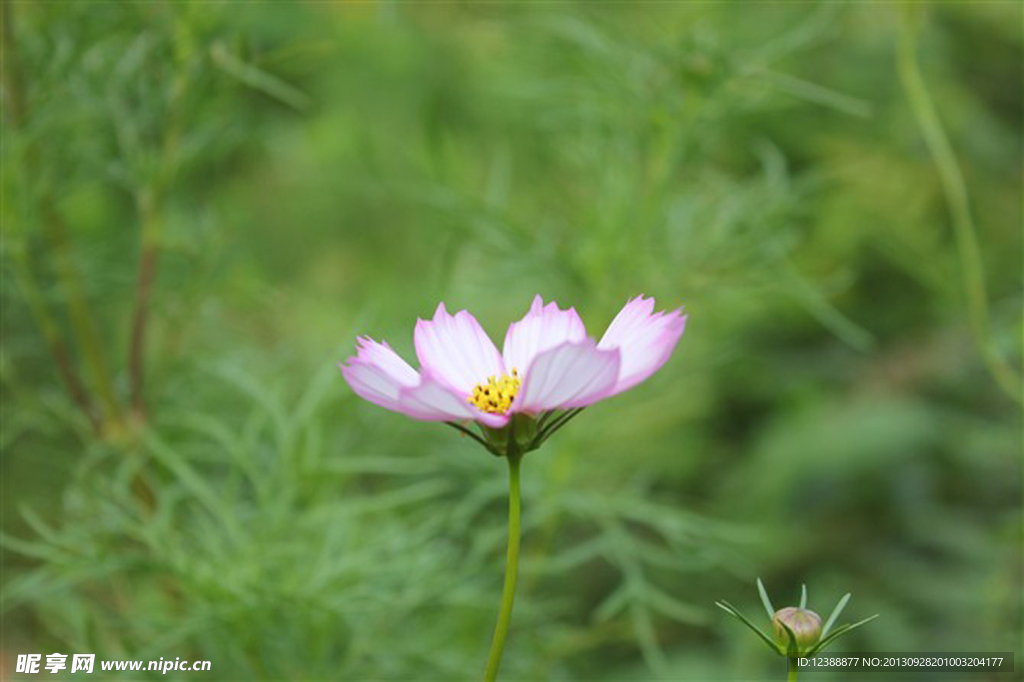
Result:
pixel 511 570
pixel 791 677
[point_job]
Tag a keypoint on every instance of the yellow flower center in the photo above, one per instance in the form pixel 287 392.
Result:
pixel 497 394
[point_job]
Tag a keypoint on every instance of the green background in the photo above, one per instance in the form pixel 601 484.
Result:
pixel 843 410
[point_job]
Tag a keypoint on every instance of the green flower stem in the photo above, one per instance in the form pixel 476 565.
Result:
pixel 955 189
pixel 508 593
pixel 791 677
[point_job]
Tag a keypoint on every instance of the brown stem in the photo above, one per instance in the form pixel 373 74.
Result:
pixel 66 369
pixel 54 343
pixel 80 313
pixel 149 202
pixel 12 82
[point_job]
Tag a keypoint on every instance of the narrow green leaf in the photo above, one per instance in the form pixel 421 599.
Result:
pixel 194 483
pixel 835 615
pixel 840 631
pixel 643 630
pixel 36 523
pixel 259 79
pixel 734 612
pixel 35 550
pixel 414 493
pixel 574 557
pixel 669 606
pixel 765 600
pixel 813 92
pixel 613 604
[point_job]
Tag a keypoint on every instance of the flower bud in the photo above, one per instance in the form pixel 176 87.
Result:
pixel 805 624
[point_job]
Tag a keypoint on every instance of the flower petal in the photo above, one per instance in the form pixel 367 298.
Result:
pixel 456 350
pixel 376 373
pixel 569 375
pixel 434 400
pixel 543 328
pixel 644 338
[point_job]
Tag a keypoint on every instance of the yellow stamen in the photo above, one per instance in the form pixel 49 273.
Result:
pixel 497 394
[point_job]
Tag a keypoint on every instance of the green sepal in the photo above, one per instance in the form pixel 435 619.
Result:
pixel 524 430
pixel 515 439
pixel 497 439
pixel 793 649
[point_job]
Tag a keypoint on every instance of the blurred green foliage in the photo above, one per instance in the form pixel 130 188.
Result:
pixel 292 177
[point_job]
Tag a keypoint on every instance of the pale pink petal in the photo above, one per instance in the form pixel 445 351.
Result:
pixel 434 400
pixel 456 350
pixel 543 328
pixel 644 338
pixel 570 375
pixel 377 373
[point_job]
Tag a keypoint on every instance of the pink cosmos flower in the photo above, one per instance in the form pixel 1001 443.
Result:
pixel 547 364
pixel 546 373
